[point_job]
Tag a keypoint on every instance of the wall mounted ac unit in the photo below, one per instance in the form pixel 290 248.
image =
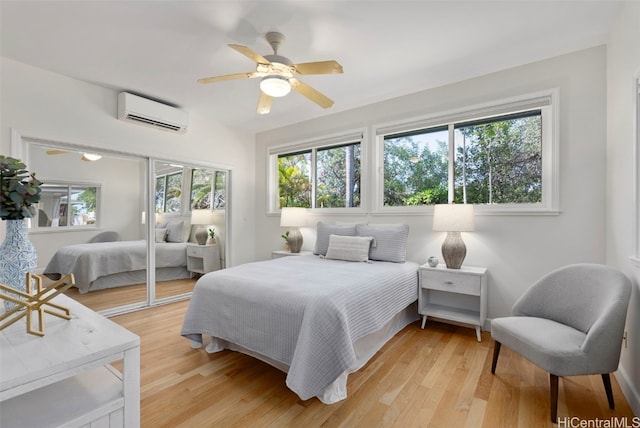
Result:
pixel 133 108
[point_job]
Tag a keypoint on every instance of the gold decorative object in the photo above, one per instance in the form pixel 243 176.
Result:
pixel 37 300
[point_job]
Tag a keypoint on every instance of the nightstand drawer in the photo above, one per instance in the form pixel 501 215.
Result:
pixel 452 282
pixel 195 250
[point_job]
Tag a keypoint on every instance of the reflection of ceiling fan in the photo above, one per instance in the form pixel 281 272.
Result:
pixel 87 157
pixel 278 73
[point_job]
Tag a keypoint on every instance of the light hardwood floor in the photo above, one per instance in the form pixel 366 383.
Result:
pixel 100 300
pixel 436 377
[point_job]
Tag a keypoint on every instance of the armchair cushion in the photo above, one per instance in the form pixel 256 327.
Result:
pixel 554 347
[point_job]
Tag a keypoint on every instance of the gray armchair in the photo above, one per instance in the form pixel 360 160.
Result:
pixel 570 322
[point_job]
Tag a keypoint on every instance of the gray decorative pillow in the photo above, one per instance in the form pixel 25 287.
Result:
pixel 161 225
pixel 349 248
pixel 174 231
pixel 390 241
pixel 325 230
pixel 161 235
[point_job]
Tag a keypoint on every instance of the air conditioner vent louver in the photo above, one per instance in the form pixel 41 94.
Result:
pixel 153 122
pixel 143 111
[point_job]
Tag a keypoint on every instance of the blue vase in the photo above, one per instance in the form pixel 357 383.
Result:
pixel 17 257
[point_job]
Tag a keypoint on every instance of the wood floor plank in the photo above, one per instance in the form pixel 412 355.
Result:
pixel 438 377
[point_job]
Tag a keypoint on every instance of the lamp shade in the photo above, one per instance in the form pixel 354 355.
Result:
pixel 201 217
pixel 293 217
pixel 453 218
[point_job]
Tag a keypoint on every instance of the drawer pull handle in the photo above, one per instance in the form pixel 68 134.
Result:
pixel 449 282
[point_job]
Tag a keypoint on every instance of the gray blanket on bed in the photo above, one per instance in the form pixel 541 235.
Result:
pixel 88 262
pixel 305 312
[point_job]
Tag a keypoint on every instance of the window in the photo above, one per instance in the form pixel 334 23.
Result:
pixel 499 160
pixel 320 175
pixel 501 156
pixel 169 192
pixel 416 167
pixel 65 205
pixel 207 189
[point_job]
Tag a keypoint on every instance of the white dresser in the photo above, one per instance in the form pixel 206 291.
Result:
pixel 65 378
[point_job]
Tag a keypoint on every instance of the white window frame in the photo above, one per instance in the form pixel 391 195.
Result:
pixel 33 226
pixel 351 136
pixel 547 101
pixel 636 172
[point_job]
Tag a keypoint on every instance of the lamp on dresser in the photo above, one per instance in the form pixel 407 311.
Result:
pixel 294 218
pixel 201 218
pixel 453 219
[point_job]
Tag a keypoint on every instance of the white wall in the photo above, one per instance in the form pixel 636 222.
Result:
pixel 623 67
pixel 516 249
pixel 50 106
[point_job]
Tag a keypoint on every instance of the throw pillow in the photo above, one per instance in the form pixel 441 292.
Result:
pixel 349 248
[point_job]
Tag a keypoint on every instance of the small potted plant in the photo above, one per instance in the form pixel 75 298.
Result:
pixel 212 236
pixel 19 193
pixel 285 236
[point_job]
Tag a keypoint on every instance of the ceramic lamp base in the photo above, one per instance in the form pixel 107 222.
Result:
pixel 295 240
pixel 453 250
pixel 201 236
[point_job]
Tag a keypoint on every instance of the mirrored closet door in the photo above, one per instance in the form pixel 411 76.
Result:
pixel 95 223
pixel 190 225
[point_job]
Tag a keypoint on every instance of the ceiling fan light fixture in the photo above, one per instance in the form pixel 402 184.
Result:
pixel 90 157
pixel 275 86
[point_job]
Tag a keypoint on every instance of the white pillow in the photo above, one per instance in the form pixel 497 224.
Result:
pixel 349 248
pixel 161 235
pixel 324 231
pixel 174 231
pixel 390 241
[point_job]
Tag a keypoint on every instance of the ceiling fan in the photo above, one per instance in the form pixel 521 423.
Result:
pixel 87 157
pixel 278 74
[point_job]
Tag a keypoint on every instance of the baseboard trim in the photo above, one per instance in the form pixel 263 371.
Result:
pixel 629 391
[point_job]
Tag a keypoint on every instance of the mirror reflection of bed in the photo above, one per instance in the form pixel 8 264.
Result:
pixel 86 207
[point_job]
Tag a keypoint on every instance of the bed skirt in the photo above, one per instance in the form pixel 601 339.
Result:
pixel 365 348
pixel 138 277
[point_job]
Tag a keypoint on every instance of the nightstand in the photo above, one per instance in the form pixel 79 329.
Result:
pixel 276 254
pixel 458 295
pixel 203 258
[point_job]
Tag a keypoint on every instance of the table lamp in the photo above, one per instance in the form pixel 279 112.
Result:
pixel 453 219
pixel 294 218
pixel 201 217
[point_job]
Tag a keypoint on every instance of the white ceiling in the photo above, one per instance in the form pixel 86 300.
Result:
pixel 159 49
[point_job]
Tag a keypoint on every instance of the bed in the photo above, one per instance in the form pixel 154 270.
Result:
pixel 315 317
pixel 102 265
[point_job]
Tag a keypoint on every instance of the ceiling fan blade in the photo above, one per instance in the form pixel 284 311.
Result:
pixel 319 67
pixel 264 103
pixel 249 53
pixel 56 152
pixel 315 96
pixel 234 76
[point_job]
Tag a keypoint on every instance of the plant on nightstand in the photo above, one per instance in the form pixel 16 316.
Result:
pixel 212 236
pixel 285 236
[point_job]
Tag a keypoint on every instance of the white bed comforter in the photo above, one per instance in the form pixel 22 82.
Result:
pixel 304 312
pixel 88 262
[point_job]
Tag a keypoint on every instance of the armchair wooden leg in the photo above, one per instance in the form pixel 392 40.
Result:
pixel 496 353
pixel 553 385
pixel 607 387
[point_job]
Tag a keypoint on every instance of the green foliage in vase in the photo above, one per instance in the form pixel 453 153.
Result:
pixel 19 190
pixel 212 233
